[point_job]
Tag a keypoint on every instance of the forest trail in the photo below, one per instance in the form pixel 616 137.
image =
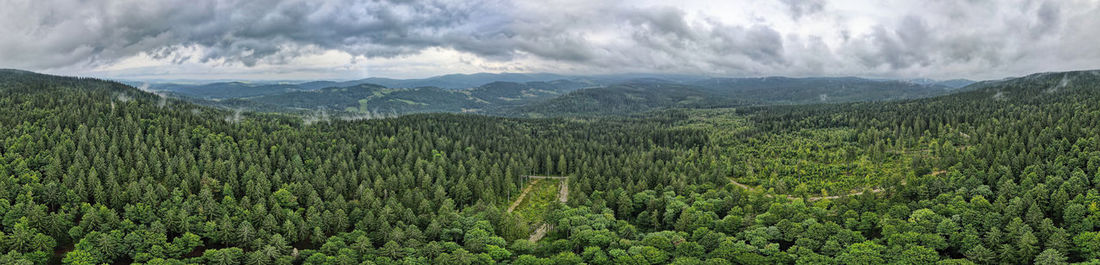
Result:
pixel 563 196
pixel 563 191
pixel 814 198
pixel 522 195
pixel 539 233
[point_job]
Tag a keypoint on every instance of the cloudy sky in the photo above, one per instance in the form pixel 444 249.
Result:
pixel 350 39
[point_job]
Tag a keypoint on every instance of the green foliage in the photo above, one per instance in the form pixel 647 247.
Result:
pixel 1050 257
pixel 98 172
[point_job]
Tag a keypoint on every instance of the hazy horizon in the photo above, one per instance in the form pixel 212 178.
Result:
pixel 275 79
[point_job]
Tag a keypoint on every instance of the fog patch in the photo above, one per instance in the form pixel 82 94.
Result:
pixel 370 115
pixel 1061 84
pixel 318 116
pixel 1000 96
pixel 162 102
pixel 235 117
pixel 121 97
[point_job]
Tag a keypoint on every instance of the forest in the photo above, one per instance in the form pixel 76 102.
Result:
pixel 1004 172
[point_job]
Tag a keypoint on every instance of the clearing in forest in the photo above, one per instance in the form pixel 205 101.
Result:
pixel 536 199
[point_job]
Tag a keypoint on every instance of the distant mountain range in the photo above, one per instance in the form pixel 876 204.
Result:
pixel 515 94
pixel 452 81
pixel 953 83
pixel 785 90
pixel 627 98
pixel 640 95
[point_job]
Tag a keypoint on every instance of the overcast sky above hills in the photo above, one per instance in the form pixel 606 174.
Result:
pixel 344 39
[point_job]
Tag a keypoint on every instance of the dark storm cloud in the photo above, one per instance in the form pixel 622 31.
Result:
pixel 903 47
pixel 665 39
pixel 241 31
pixel 250 31
pixel 1048 18
pixel 978 35
pixel 937 37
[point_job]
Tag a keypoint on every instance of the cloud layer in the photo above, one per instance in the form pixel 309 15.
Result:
pixel 288 39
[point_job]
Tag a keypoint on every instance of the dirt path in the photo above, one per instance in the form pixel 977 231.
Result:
pixel 540 233
pixel 743 186
pixel 522 195
pixel 563 191
pixel 814 198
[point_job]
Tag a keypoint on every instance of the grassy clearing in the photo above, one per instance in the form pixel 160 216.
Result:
pixel 534 206
pixel 363 105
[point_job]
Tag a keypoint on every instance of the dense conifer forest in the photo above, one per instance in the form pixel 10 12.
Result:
pixel 97 172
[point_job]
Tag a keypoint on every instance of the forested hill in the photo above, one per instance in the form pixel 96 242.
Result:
pixel 1038 86
pixel 606 95
pixel 372 101
pixel 95 172
pixel 227 90
pixel 626 98
pixel 785 90
pixel 642 95
pixel 24 81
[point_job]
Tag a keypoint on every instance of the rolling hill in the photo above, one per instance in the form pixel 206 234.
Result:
pixel 645 94
pixel 785 90
pixel 452 81
pixel 374 99
pixel 225 90
pixel 536 95
pixel 626 98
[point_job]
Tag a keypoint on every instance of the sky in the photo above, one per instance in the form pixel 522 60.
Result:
pixel 351 39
